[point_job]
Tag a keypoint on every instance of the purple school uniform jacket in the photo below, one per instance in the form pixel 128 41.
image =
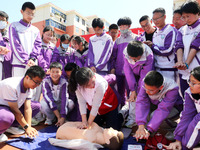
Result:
pixel 25 42
pixel 187 130
pixel 81 59
pixel 166 99
pixel 117 55
pixel 54 94
pixel 189 37
pixel 136 71
pixel 163 47
pixel 99 52
pixel 44 59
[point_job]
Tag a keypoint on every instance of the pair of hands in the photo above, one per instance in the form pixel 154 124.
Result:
pixel 149 43
pixel 180 65
pixel 174 146
pixel 132 97
pixel 141 133
pixel 31 63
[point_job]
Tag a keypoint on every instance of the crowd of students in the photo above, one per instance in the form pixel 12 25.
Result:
pixel 146 77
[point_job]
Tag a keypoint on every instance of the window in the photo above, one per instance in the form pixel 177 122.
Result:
pixel 83 32
pixel 57 12
pixel 77 18
pixel 83 22
pixel 55 24
pixel 77 30
pixel 87 29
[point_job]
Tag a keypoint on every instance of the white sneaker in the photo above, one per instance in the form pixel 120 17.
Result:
pixel 3 137
pixel 48 122
pixel 130 124
pixel 15 130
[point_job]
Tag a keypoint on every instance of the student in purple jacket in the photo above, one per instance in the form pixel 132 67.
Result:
pixel 55 93
pixel 117 55
pixel 100 49
pixel 81 47
pixel 188 43
pixel 187 132
pixel 25 41
pixel 44 59
pixel 5 52
pixel 138 61
pixel 66 53
pixel 160 96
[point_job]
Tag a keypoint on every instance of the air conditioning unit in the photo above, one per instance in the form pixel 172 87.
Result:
pixel 52 14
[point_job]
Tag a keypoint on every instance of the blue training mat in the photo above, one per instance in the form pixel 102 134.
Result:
pixel 41 141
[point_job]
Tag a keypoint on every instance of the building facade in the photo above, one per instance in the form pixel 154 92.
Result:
pixel 64 22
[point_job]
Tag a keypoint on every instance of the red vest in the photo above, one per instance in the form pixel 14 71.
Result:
pixel 108 103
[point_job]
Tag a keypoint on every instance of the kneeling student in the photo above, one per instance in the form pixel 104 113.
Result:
pixel 16 106
pixel 55 96
pixel 161 93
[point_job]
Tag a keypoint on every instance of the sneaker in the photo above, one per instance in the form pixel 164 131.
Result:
pixel 34 122
pixel 15 130
pixel 3 137
pixel 130 124
pixel 48 122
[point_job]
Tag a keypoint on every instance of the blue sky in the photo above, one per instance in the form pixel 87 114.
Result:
pixel 111 10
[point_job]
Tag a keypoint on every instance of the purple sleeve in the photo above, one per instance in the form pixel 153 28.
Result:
pixel 130 78
pixel 148 66
pixel 196 43
pixel 16 46
pixel 114 55
pixel 55 56
pixel 105 56
pixel 187 116
pixel 142 107
pixel 41 61
pixel 179 42
pixel 90 58
pixel 48 96
pixel 77 60
pixel 37 47
pixel 163 110
pixel 167 49
pixel 64 99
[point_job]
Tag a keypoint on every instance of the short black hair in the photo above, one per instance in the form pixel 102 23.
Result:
pixel 71 67
pixel 190 7
pixel 4 14
pixel 35 71
pixel 154 78
pixel 56 65
pixel 135 48
pixel 64 37
pixel 113 26
pixel 97 22
pixel 145 17
pixel 159 10
pixel 124 21
pixel 196 73
pixel 177 11
pixel 28 5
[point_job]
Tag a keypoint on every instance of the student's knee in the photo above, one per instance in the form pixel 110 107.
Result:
pixel 6 120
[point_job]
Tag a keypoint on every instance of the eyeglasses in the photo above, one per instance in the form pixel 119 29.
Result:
pixel 151 91
pixel 30 14
pixel 37 83
pixel 192 84
pixel 157 18
pixel 146 25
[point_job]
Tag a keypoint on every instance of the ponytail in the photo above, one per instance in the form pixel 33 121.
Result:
pixel 72 86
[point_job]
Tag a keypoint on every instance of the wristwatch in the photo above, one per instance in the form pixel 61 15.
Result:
pixel 26 126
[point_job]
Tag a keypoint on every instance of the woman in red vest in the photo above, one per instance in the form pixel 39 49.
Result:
pixel 97 101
